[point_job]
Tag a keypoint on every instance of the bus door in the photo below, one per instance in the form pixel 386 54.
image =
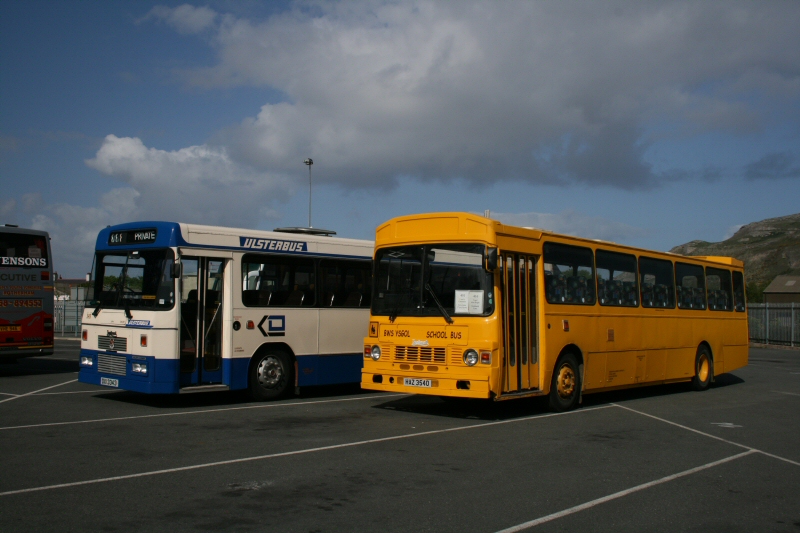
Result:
pixel 202 306
pixel 521 361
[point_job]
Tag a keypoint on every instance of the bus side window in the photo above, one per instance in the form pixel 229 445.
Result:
pixel 691 286
pixel 569 274
pixel 738 292
pixel 278 281
pixel 657 283
pixel 345 283
pixel 616 279
pixel 719 289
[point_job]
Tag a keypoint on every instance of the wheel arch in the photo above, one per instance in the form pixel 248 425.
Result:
pixel 707 346
pixel 574 349
pixel 270 346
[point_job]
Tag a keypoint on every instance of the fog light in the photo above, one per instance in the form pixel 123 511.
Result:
pixel 143 341
pixel 470 357
pixel 85 335
pixel 375 353
pixel 86 361
pixel 486 358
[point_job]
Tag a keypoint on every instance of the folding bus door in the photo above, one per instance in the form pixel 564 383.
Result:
pixel 202 306
pixel 521 362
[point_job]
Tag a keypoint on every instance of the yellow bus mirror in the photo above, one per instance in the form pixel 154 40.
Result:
pixel 491 259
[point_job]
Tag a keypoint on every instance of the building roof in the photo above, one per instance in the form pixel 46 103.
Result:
pixel 784 285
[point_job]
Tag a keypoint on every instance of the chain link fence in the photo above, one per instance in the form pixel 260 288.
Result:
pixel 774 323
pixel 67 318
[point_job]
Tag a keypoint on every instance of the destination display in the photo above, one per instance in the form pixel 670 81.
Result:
pixel 136 236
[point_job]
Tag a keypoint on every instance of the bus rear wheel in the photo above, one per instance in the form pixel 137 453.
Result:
pixel 703 369
pixel 565 389
pixel 270 376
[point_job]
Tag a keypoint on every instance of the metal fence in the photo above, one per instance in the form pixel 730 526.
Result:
pixel 774 323
pixel 67 318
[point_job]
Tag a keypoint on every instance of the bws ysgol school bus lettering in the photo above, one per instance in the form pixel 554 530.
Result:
pixel 273 245
pixel 23 261
pixel 437 334
pixel 398 333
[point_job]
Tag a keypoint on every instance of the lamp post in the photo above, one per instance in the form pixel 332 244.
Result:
pixel 309 162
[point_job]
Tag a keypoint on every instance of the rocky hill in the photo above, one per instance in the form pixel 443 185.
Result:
pixel 768 248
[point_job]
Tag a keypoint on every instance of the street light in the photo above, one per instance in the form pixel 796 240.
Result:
pixel 309 162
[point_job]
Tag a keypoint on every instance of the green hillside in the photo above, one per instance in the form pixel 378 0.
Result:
pixel 768 248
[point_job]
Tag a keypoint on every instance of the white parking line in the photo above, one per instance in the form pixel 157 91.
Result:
pixel 40 390
pixel 620 494
pixel 183 413
pixel 296 452
pixel 707 434
pixel 8 394
pixel 789 393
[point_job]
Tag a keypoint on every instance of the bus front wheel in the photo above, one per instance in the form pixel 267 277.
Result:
pixel 703 369
pixel 565 389
pixel 270 376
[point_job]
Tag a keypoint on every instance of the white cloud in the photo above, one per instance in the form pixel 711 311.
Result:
pixel 573 223
pixel 7 209
pixel 186 19
pixel 548 92
pixel 195 184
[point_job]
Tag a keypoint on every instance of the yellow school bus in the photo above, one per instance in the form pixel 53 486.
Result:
pixel 464 306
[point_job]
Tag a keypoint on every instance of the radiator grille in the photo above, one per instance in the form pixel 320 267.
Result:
pixel 112 364
pixel 420 353
pixel 114 344
pixel 456 356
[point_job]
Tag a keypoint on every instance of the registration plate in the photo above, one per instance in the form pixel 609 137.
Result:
pixel 109 382
pixel 416 382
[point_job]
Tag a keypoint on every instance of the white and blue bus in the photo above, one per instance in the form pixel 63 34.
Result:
pixel 176 308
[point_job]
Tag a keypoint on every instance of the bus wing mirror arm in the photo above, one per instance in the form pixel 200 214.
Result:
pixel 491 259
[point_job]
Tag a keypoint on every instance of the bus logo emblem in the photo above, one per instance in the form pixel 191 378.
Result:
pixel 276 326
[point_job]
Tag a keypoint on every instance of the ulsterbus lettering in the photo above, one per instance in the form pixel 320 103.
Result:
pixel 273 245
pixel 24 261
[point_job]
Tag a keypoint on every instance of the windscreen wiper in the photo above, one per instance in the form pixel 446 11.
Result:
pixel 439 304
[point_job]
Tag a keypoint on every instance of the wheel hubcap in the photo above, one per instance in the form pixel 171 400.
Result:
pixel 566 382
pixel 703 368
pixel 270 372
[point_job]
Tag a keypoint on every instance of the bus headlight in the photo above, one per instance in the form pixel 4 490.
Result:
pixel 139 368
pixel 471 357
pixel 375 353
pixel 86 361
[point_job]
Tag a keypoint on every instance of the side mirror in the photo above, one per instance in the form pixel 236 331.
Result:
pixel 176 270
pixel 491 259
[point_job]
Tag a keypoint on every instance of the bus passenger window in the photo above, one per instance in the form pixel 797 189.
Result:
pixel 657 283
pixel 275 281
pixel 345 283
pixel 569 274
pixel 616 279
pixel 719 289
pixel 691 286
pixel 738 292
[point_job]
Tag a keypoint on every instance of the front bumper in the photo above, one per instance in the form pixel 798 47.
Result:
pixel 455 386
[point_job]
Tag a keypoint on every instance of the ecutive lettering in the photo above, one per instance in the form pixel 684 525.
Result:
pixel 23 261
pixel 19 277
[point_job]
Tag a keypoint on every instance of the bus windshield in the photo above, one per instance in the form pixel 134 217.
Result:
pixel 431 280
pixel 133 280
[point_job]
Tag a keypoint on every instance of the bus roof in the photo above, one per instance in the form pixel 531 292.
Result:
pixel 468 227
pixel 160 234
pixel 25 231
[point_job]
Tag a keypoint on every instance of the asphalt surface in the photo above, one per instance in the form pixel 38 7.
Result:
pixel 83 458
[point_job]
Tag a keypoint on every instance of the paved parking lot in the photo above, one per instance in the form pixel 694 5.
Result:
pixel 81 458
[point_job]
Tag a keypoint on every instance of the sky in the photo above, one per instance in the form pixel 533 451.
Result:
pixel 645 123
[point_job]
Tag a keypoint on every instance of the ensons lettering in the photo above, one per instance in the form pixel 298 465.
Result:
pixel 272 245
pixel 23 261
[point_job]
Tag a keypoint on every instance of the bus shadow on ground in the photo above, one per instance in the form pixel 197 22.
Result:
pixel 37 366
pixel 227 398
pixel 505 410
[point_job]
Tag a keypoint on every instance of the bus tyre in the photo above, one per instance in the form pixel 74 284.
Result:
pixel 271 375
pixel 702 369
pixel 565 389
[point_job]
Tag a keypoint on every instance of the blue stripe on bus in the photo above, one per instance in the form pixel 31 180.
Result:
pixel 163 375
